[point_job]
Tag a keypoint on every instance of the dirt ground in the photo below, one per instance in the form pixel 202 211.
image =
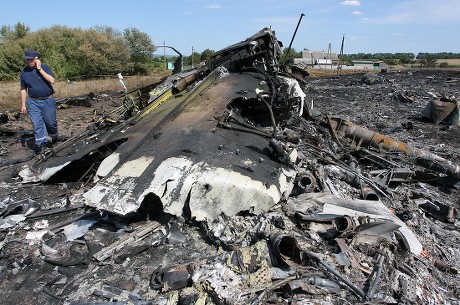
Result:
pixel 27 278
pixel 377 108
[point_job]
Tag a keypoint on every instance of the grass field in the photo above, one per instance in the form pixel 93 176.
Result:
pixel 451 62
pixel 329 72
pixel 9 91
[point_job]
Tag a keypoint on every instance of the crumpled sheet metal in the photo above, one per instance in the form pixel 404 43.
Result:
pixel 72 154
pixel 176 152
pixel 230 277
pixel 48 172
pixel 78 228
pixel 376 210
pixel 13 212
pixel 179 179
pixel 204 166
pixel 293 90
pixel 443 109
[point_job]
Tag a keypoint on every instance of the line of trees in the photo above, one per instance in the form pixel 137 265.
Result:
pixel 73 52
pixel 428 60
pixel 390 58
pixel 195 58
pixel 424 59
pixel 442 55
pixel 76 52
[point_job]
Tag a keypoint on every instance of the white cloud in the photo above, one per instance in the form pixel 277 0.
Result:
pixel 351 2
pixel 213 6
pixel 357 13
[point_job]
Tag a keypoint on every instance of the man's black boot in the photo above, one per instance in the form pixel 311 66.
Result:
pixel 38 149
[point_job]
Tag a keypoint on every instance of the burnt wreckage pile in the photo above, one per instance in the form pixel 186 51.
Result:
pixel 223 185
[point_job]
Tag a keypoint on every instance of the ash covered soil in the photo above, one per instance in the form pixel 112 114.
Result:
pixel 51 270
pixel 377 108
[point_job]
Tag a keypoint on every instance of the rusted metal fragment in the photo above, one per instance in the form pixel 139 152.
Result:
pixel 366 137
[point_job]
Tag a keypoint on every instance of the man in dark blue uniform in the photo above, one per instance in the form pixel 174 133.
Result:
pixel 36 83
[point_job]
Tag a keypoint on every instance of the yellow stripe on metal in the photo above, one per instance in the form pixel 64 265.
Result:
pixel 152 106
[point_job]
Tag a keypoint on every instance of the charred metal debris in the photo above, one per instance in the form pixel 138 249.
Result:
pixel 225 185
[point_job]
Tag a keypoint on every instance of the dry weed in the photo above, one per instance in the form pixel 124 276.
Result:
pixel 9 91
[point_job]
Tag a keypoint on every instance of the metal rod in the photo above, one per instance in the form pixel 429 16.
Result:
pixel 274 286
pixel 380 261
pixel 331 269
pixel 293 36
pixel 339 67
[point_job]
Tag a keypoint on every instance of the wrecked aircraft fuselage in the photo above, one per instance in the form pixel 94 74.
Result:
pixel 199 153
pixel 371 218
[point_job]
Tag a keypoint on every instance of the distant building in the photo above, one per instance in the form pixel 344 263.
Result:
pixel 330 60
pixel 369 65
pixel 313 58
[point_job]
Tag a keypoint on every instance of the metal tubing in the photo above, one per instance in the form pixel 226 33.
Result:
pixel 344 223
pixel 183 82
pixel 306 182
pixel 366 137
pixel 369 194
pixel 272 116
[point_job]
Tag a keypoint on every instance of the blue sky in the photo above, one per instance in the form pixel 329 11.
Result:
pixel 369 26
